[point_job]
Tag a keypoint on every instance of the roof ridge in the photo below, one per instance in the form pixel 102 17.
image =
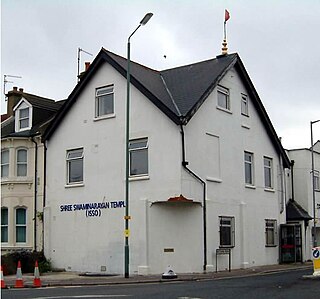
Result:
pixel 199 62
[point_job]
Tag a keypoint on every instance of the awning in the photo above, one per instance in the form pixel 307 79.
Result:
pixel 178 200
pixel 295 212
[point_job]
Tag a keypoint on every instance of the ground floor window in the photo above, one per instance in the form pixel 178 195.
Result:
pixel 227 232
pixel 4 225
pixel 21 225
pixel 271 232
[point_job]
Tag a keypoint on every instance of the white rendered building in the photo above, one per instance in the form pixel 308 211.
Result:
pixel 206 171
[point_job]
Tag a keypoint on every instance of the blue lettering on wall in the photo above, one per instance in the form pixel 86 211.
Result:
pixel 92 209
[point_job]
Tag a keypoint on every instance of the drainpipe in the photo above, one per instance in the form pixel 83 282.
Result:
pixel 292 184
pixel 44 186
pixel 35 193
pixel 185 166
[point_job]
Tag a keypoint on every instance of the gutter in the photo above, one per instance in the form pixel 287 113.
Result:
pixel 35 193
pixel 204 215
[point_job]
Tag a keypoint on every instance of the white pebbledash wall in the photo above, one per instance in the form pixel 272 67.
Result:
pixel 161 234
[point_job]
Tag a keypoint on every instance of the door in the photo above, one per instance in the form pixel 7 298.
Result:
pixel 290 243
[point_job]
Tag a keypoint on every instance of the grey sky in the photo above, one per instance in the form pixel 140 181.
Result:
pixel 277 40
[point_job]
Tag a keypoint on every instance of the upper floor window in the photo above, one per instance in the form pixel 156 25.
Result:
pixel 104 101
pixel 227 231
pixel 271 232
pixel 75 166
pixel 23 116
pixel 22 162
pixel 138 152
pixel 268 178
pixel 248 168
pixel 4 225
pixel 244 105
pixel 5 163
pixel 223 98
pixel 21 225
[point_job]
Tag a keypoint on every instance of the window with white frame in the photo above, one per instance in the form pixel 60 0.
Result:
pixel 271 232
pixel 249 168
pixel 5 163
pixel 23 115
pixel 138 154
pixel 4 225
pixel 227 231
pixel 268 171
pixel 223 100
pixel 316 179
pixel 22 162
pixel 104 101
pixel 244 105
pixel 74 166
pixel 21 225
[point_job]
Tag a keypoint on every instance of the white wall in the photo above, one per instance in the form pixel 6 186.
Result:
pixel 75 242
pixel 230 134
pixel 161 234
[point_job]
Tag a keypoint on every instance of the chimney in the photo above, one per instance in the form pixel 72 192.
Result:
pixel 86 67
pixel 14 96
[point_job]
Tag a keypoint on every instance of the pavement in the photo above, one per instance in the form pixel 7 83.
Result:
pixel 51 279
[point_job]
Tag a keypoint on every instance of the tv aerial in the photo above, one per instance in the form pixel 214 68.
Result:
pixel 79 52
pixel 5 81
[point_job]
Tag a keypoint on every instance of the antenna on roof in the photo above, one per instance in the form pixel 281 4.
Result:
pixel 81 50
pixel 5 81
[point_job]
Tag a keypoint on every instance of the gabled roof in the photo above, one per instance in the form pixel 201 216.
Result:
pixel 43 110
pixel 177 92
pixel 295 212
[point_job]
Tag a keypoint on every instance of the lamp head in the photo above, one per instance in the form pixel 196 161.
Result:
pixel 146 18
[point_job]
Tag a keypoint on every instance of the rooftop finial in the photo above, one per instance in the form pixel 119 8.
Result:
pixel 224 43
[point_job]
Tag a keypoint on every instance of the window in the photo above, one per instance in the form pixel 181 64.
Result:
pixel 138 152
pixel 268 179
pixel 21 225
pixel 226 231
pixel 223 98
pixel 248 168
pixel 244 105
pixel 271 231
pixel 104 101
pixel 4 163
pixel 75 166
pixel 4 225
pixel 316 180
pixel 22 161
pixel 23 115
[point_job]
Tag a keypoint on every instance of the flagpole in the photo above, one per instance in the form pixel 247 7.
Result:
pixel 224 43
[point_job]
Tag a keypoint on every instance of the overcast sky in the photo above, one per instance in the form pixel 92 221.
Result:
pixel 277 40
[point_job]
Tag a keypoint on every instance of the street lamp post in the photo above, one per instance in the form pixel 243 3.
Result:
pixel 313 185
pixel 144 21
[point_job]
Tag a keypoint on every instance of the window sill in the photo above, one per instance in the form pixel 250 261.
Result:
pixel 226 246
pixel 74 185
pixel 139 178
pixel 250 186
pixel 269 190
pixel 215 180
pixel 97 118
pixel 272 246
pixel 224 109
pixel 245 126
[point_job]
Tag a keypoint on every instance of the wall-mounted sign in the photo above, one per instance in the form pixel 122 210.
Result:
pixel 92 209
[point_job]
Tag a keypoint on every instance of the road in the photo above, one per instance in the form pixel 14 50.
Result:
pixel 277 285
